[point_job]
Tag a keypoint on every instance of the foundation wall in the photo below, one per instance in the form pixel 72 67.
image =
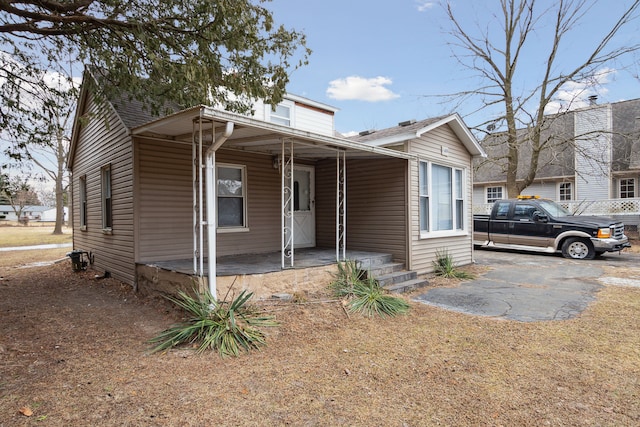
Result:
pixel 300 282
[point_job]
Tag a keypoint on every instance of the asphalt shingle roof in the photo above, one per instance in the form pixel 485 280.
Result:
pixel 410 127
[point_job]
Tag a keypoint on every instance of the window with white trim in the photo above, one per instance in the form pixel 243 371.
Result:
pixel 565 191
pixel 107 201
pixel 231 191
pixel 627 188
pixel 459 198
pixel 82 189
pixel 282 114
pixel 442 201
pixel 494 193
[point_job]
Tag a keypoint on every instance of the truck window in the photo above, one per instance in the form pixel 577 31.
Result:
pixel 523 211
pixel 553 208
pixel 502 209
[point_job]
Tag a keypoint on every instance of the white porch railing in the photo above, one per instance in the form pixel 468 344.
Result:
pixel 611 207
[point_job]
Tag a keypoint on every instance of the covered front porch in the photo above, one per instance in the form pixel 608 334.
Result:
pixel 261 273
pixel 215 185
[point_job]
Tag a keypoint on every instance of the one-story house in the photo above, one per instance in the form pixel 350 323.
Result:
pixel 201 190
pixel 49 215
pixel 29 213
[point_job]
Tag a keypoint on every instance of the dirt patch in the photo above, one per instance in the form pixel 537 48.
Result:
pixel 73 350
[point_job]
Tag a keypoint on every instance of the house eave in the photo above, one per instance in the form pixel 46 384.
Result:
pixel 454 121
pixel 166 126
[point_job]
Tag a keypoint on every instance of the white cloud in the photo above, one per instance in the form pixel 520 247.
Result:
pixel 424 5
pixel 362 89
pixel 350 134
pixel 56 80
pixel 575 94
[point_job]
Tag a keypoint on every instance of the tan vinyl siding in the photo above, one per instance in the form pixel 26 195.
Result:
pixel 430 148
pixel 263 206
pixel 103 140
pixel 376 200
pixel 164 201
pixel 166 207
pixel 326 204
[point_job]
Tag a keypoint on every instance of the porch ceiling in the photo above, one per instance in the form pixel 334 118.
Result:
pixel 253 135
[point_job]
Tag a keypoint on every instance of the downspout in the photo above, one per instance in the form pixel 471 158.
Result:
pixel 212 214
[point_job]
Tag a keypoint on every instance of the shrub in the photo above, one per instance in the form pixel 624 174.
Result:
pixel 227 327
pixel 445 266
pixel 364 295
pixel 349 274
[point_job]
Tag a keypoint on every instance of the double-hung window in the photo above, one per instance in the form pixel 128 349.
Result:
pixel 107 201
pixel 494 194
pixel 82 189
pixel 442 200
pixel 564 189
pixel 283 113
pixel 627 188
pixel 232 194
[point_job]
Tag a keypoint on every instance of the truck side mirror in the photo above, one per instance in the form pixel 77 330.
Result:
pixel 540 217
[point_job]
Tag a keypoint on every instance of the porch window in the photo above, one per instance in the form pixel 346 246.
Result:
pixel 494 194
pixel 107 204
pixel 564 190
pixel 442 198
pixel 82 188
pixel 627 188
pixel 231 186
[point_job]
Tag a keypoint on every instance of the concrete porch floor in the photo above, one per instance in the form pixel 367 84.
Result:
pixel 245 264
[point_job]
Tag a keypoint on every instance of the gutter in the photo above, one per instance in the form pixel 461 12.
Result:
pixel 212 217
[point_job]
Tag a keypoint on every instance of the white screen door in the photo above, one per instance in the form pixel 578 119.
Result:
pixel 304 221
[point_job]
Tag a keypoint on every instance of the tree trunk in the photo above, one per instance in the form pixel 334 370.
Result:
pixel 59 206
pixel 61 152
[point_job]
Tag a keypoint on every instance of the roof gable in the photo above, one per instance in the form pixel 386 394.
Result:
pixel 406 131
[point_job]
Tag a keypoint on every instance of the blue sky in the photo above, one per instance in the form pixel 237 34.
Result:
pixel 381 62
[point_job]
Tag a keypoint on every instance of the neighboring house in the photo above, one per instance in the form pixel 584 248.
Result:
pixel 593 168
pixel 278 181
pixel 49 215
pixel 29 213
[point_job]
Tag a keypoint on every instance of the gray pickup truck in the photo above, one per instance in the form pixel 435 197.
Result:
pixel 534 224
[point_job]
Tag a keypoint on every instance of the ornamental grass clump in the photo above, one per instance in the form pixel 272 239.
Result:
pixel 445 266
pixel 348 275
pixel 227 327
pixel 364 295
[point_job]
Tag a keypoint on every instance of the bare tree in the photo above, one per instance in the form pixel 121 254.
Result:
pixel 42 134
pixel 19 194
pixel 498 60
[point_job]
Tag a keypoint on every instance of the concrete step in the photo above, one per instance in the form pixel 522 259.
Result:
pixel 383 269
pixel 396 277
pixel 372 262
pixel 406 286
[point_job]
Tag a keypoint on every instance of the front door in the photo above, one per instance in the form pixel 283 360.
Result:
pixel 304 218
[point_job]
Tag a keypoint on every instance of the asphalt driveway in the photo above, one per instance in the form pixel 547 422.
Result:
pixel 531 287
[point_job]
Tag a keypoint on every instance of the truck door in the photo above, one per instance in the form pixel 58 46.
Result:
pixel 524 229
pixel 499 223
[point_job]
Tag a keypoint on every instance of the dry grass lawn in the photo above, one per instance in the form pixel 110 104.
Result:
pixel 18 235
pixel 73 351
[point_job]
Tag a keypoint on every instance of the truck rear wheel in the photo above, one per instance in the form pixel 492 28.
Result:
pixel 576 248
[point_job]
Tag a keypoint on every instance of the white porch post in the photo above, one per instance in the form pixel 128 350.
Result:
pixel 194 178
pixel 287 246
pixel 200 199
pixel 341 205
